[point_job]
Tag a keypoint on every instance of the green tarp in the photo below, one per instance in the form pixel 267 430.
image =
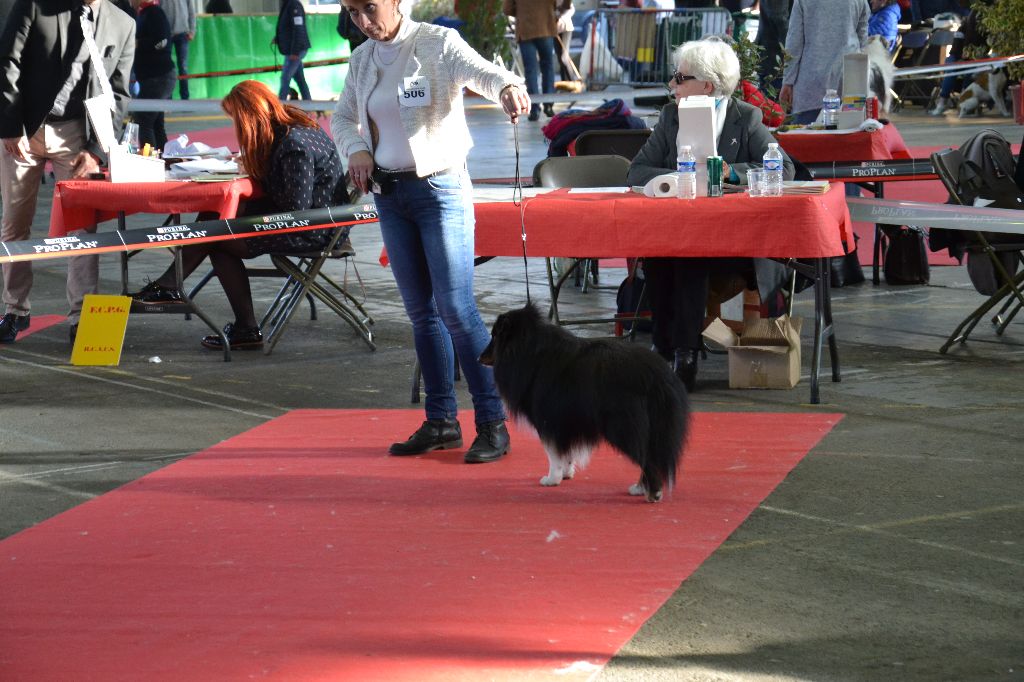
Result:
pixel 242 41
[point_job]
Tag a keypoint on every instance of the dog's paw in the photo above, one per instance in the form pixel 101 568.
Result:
pixel 654 497
pixel 569 472
pixel 551 480
pixel 637 489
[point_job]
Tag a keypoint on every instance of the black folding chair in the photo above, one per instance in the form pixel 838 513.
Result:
pixel 600 170
pixel 626 143
pixel 911 52
pixel 962 182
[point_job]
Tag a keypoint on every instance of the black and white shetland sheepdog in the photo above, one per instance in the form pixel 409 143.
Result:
pixel 577 392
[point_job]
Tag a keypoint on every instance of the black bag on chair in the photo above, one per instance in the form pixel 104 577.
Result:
pixel 906 257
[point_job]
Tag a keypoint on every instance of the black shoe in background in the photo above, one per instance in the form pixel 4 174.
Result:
pixel 11 324
pixel 685 366
pixel 534 113
pixel 433 434
pixel 157 293
pixel 491 444
pixel 549 109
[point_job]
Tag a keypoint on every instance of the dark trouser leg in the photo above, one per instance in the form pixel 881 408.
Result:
pixel 658 273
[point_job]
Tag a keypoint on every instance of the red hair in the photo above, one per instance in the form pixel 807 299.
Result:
pixel 259 117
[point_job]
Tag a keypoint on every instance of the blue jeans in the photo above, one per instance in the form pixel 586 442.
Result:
pixel 180 42
pixel 292 68
pixel 542 49
pixel 428 225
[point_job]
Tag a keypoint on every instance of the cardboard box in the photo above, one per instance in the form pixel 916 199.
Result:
pixel 127 167
pixel 766 355
pixel 856 74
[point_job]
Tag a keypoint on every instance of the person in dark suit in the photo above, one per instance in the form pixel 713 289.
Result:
pixel 679 286
pixel 42 118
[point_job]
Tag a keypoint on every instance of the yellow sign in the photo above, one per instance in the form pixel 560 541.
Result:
pixel 101 330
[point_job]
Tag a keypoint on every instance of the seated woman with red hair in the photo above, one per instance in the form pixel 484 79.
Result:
pixel 295 163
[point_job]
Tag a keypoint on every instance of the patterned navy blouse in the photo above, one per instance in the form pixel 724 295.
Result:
pixel 305 172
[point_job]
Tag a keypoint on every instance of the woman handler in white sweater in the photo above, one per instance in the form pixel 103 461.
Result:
pixel 401 123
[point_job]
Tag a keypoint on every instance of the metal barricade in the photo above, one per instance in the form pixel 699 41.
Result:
pixel 634 46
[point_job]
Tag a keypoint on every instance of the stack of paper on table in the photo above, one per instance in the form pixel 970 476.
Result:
pixel 805 187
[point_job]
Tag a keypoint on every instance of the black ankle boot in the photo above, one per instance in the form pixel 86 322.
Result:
pixel 685 366
pixel 549 109
pixel 534 113
pixel 491 444
pixel 433 434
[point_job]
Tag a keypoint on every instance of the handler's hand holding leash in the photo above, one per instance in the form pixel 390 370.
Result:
pixel 515 101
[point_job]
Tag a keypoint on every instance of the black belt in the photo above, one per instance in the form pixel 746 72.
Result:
pixel 395 175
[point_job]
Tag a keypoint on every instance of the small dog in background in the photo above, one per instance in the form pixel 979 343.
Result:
pixel 577 392
pixel 988 89
pixel 882 71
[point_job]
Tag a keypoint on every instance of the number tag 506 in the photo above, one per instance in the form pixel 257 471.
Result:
pixel 415 92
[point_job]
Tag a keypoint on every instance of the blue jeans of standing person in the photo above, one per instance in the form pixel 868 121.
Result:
pixel 539 64
pixel 427 225
pixel 180 42
pixel 292 68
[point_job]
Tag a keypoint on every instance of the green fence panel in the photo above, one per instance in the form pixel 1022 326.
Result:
pixel 242 41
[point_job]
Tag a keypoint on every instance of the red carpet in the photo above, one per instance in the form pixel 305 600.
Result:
pixel 38 324
pixel 299 551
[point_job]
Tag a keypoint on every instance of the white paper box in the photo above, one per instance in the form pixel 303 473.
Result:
pixel 125 167
pixel 697 129
pixel 856 72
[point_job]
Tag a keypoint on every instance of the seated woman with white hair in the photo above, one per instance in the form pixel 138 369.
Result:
pixel 678 287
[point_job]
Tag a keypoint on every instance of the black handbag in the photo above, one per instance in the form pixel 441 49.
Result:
pixel 846 270
pixel 906 258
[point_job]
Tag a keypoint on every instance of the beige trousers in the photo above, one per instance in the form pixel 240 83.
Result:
pixel 58 143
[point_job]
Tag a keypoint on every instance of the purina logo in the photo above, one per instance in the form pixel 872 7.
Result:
pixel 278 218
pixel 172 230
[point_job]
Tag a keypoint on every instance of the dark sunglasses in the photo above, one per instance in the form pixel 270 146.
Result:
pixel 680 78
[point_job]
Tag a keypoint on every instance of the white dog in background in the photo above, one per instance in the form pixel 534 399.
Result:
pixel 882 72
pixel 987 89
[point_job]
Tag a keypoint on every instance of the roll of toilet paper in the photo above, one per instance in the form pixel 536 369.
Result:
pixel 666 185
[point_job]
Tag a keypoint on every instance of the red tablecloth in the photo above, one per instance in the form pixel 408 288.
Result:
pixel 631 225
pixel 819 147
pixel 79 204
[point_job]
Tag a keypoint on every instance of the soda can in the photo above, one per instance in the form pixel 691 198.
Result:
pixel 715 176
pixel 871 107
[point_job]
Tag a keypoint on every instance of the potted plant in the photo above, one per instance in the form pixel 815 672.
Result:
pixel 485 29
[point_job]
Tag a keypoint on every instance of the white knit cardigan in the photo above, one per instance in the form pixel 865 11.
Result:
pixel 438 134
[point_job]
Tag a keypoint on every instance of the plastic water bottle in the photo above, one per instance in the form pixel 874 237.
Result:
pixel 772 163
pixel 830 109
pixel 686 167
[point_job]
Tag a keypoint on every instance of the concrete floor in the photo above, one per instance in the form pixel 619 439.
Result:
pixel 892 551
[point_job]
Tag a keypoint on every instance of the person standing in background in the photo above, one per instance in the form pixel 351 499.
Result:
pixel 820 33
pixel 154 68
pixel 55 54
pixel 773 24
pixel 535 32
pixel 563 24
pixel 181 15
pixel 884 21
pixel 292 40
pixel 218 7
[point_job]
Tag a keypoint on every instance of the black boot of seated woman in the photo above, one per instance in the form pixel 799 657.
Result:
pixel 685 366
